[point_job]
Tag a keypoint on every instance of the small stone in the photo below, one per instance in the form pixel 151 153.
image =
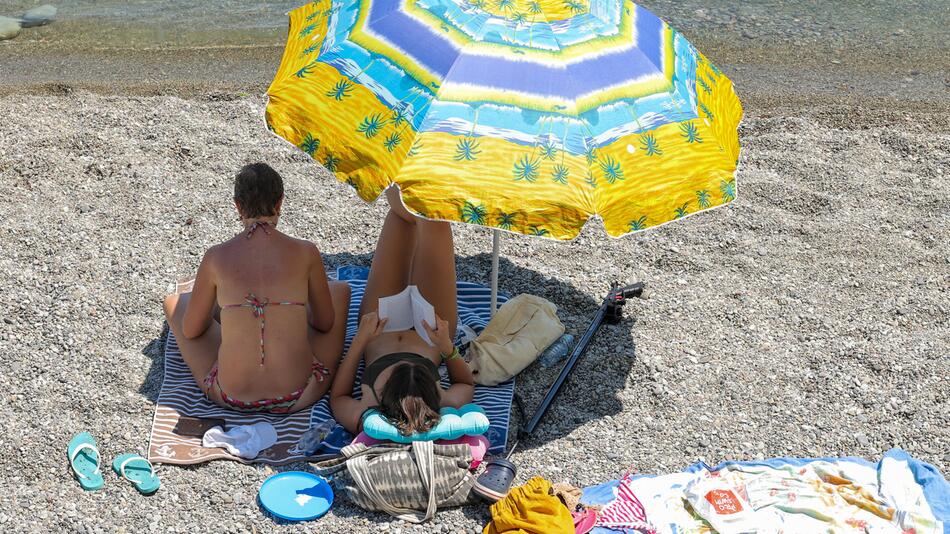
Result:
pixel 39 16
pixel 921 281
pixel 9 28
pixel 862 440
pixel 8 320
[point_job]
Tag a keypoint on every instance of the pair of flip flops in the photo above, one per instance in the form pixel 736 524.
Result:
pixel 84 459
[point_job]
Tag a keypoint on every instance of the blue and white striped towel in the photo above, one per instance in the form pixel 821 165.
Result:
pixel 180 396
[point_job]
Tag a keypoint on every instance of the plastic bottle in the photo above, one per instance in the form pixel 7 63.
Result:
pixel 557 351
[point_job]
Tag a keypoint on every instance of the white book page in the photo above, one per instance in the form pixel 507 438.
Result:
pixel 398 309
pixel 422 311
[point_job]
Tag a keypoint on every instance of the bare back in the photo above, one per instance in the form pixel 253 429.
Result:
pixel 263 285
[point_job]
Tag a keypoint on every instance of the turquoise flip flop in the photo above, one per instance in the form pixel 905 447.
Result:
pixel 138 471
pixel 84 458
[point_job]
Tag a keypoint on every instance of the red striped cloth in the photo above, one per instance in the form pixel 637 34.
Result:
pixel 625 511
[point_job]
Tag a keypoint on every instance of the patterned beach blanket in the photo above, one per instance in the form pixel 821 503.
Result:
pixel 180 396
pixel 898 494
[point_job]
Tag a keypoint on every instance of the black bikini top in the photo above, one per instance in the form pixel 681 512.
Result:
pixel 373 370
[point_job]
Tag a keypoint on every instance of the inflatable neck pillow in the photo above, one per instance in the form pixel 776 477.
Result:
pixel 469 420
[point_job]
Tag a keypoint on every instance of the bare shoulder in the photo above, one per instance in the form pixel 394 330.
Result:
pixel 214 253
pixel 307 248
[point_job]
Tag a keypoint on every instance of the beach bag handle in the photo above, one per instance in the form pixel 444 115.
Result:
pixel 357 463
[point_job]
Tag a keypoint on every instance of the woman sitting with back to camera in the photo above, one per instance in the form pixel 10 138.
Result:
pixel 263 329
pixel 401 377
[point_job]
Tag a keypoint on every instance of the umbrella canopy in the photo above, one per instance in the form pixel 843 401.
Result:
pixel 526 115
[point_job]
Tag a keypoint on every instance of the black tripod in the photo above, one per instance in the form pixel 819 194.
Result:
pixel 611 312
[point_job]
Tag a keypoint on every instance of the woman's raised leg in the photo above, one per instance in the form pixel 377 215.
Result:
pixel 392 261
pixel 433 269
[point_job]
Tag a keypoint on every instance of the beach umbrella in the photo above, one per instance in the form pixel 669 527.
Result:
pixel 528 116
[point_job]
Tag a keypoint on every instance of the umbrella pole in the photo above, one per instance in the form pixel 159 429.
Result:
pixel 495 247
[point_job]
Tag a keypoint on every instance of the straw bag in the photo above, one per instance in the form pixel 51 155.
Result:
pixel 408 482
pixel 522 328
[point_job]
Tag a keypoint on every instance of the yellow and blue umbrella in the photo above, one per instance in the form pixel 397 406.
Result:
pixel 530 116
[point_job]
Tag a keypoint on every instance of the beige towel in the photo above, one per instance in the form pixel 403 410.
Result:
pixel 523 327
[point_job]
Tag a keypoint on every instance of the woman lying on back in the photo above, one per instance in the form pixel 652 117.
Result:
pixel 401 376
pixel 263 329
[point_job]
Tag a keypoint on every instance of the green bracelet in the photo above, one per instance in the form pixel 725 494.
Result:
pixel 456 355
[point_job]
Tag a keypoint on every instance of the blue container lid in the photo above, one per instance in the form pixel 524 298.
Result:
pixel 296 496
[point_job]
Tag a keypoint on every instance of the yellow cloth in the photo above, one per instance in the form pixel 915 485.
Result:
pixel 530 509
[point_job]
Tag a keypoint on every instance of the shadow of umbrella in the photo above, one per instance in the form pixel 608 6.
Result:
pixel 589 394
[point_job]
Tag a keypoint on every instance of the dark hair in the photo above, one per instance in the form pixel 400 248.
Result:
pixel 257 190
pixel 410 399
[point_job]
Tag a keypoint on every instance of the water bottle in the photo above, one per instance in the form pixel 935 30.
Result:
pixel 557 351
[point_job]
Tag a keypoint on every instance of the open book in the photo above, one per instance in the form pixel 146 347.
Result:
pixel 407 310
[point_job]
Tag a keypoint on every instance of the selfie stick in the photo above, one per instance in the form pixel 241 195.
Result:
pixel 611 311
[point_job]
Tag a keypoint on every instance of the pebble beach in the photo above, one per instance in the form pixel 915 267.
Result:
pixel 809 318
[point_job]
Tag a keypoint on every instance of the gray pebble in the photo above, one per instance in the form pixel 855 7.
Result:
pixel 39 16
pixel 9 28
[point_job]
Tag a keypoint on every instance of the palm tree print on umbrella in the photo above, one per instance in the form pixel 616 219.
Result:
pixel 560 174
pixel 505 220
pixel 526 169
pixel 681 211
pixel 303 72
pixel 473 213
pixel 702 83
pixel 505 4
pixel 728 190
pixel 705 110
pixel 591 179
pixel 574 6
pixel 650 145
pixel 548 150
pixel 310 49
pixel 538 231
pixel 467 149
pixel 590 151
pixel 307 30
pixel 370 126
pixel 702 198
pixel 611 169
pixel 535 8
pixel 690 132
pixel 519 18
pixel 330 162
pixel 352 183
pixel 399 116
pixel 340 90
pixel 392 141
pixel 415 148
pixel 310 145
pixel 638 224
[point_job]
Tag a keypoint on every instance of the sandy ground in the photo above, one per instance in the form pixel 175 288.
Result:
pixel 809 318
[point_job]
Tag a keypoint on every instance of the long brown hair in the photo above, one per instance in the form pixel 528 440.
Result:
pixel 410 398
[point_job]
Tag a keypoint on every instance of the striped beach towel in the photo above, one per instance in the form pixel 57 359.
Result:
pixel 180 396
pixel 625 512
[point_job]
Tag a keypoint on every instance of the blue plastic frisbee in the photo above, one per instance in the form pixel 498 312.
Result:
pixel 296 496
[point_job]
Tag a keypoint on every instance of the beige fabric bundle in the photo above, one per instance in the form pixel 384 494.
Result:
pixel 521 329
